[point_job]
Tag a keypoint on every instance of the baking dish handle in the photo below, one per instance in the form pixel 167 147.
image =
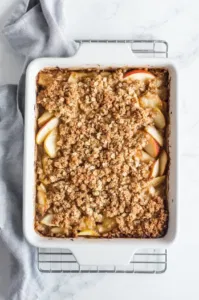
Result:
pixel 103 254
pixel 94 51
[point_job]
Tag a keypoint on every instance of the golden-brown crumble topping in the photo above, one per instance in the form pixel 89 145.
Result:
pixel 98 180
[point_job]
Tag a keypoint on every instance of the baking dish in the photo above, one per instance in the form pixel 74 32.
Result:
pixel 97 251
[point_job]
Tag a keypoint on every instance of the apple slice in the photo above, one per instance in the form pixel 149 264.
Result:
pixel 150 100
pixel 155 134
pixel 45 78
pixel 146 157
pixel 163 162
pixel 45 181
pixel 156 181
pixel 45 117
pixel 41 187
pixel 143 156
pixel 57 230
pixel 41 209
pixel 156 191
pixel 159 119
pixel 48 220
pixel 41 202
pixel 138 75
pixel 50 143
pixel 152 190
pixel 152 147
pixel 88 232
pixel 75 76
pixel 155 169
pixel 46 129
pixel 41 197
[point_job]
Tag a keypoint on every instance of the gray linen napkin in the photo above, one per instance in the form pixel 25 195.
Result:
pixel 36 28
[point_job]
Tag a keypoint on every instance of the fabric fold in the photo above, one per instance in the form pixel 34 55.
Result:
pixel 35 29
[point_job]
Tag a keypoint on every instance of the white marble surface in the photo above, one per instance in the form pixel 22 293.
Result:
pixel 176 21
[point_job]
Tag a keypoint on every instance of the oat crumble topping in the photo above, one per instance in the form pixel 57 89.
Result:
pixel 97 181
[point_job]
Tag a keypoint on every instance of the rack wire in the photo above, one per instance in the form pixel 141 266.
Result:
pixel 147 261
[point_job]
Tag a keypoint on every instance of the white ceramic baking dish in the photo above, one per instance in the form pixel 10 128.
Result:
pixel 97 251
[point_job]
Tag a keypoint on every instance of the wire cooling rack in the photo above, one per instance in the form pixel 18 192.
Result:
pixel 147 261
pixel 150 261
pixel 142 48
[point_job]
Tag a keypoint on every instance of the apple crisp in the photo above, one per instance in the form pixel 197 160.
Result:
pixel 101 159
